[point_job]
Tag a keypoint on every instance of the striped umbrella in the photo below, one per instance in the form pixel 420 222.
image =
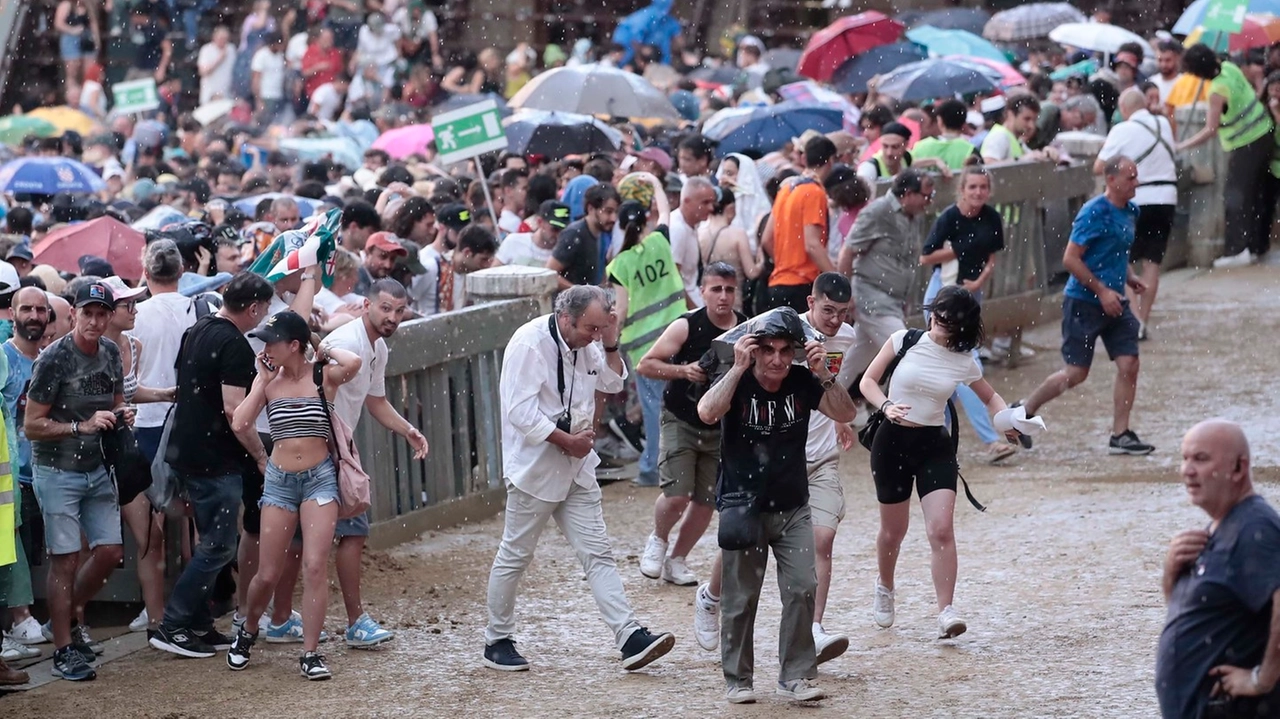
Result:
pixel 1029 21
pixel 1256 31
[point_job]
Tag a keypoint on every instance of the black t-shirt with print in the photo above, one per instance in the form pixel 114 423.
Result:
pixel 763 439
pixel 201 441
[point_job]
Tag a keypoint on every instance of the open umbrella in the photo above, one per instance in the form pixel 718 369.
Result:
pixel 1029 21
pixel 853 74
pixel 48 176
pixel 402 142
pixel 66 118
pixel 344 150
pixel 934 79
pixel 788 57
pixel 1009 77
pixel 306 206
pixel 941 43
pixel 808 92
pixel 1097 37
pixel 212 111
pixel 595 89
pixel 722 75
pixel 969 19
pixel 1193 16
pixel 557 134
pixel 1255 31
pixel 104 237
pixel 162 216
pixel 764 129
pixel 15 128
pixel 844 38
pixel 1085 68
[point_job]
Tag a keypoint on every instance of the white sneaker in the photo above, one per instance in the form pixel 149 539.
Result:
pixel 674 570
pixel 11 651
pixel 141 622
pixel 27 632
pixel 655 554
pixel 828 646
pixel 1244 259
pixel 950 624
pixel 706 619
pixel 800 690
pixel 741 695
pixel 883 610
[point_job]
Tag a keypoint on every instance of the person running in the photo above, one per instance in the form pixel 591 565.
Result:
pixel 962 246
pixel 689 450
pixel 301 480
pixel 912 446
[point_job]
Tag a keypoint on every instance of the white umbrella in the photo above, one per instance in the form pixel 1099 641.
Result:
pixel 595 90
pixel 211 111
pixel 1097 37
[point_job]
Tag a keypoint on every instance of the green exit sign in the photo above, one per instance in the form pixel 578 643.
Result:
pixel 468 132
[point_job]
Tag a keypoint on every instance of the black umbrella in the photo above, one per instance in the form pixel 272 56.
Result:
pixel 557 134
pixel 852 76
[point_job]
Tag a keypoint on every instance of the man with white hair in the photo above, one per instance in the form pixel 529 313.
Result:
pixel 697 200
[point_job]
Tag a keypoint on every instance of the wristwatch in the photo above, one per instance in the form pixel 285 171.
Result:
pixel 75 429
pixel 828 383
pixel 611 349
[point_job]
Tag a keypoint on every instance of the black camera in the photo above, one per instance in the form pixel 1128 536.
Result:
pixel 564 422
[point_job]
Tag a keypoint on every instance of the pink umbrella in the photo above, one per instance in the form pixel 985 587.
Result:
pixel 1009 77
pixel 405 141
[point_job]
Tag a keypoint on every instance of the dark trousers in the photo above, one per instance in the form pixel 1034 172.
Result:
pixel 1247 195
pixel 215 501
pixel 794 296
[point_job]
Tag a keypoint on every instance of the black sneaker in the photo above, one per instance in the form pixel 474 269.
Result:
pixel 182 642
pixel 69 664
pixel 80 635
pixel 86 652
pixel 642 648
pixel 1128 443
pixel 215 639
pixel 630 433
pixel 238 654
pixel 1023 439
pixel 313 667
pixel 502 655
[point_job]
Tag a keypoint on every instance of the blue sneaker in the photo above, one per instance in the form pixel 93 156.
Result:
pixel 366 633
pixel 290 632
pixel 70 665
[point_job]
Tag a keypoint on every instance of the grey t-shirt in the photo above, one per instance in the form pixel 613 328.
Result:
pixel 74 385
pixel 890 245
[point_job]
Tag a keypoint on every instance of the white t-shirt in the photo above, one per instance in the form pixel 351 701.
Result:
pixel 370 381
pixel 330 303
pixel 1133 138
pixel 159 326
pixel 379 49
pixel 1166 86
pixel 509 221
pixel 326 102
pixel 424 296
pixel 520 249
pixel 295 49
pixel 869 171
pixel 995 145
pixel 427 24
pixel 822 429
pixel 927 376
pixel 686 253
pixel 271 65
pixel 217 84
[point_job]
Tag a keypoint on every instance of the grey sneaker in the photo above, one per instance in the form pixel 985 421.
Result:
pixel 1128 443
pixel 741 694
pixel 800 690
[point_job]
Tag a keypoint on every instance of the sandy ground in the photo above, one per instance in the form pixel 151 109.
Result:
pixel 1058 580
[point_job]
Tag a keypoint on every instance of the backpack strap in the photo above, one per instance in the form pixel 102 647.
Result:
pixel 1158 143
pixel 908 341
pixel 955 444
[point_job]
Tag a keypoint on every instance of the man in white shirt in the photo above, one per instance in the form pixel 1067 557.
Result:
pixel 215 63
pixel 327 100
pixel 533 249
pixel 376 45
pixel 1147 140
pixel 432 292
pixel 515 188
pixel 385 307
pixel 1169 61
pixel 268 75
pixel 160 324
pixel 552 369
pixel 697 201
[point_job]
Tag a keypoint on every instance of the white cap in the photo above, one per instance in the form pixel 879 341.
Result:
pixel 992 104
pixel 751 41
pixel 973 117
pixel 120 291
pixel 112 168
pixel 9 281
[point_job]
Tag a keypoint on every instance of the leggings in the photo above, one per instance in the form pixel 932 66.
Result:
pixel 903 455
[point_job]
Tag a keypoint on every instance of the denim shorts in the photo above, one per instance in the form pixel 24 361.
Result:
pixel 357 526
pixel 1083 322
pixel 288 490
pixel 69 47
pixel 75 502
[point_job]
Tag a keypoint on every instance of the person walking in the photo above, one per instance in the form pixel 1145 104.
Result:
pixel 552 369
pixel 1148 139
pixel 1094 305
pixel 763 403
pixel 796 233
pixel 1220 644
pixel 913 446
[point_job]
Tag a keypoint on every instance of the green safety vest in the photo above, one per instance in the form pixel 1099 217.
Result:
pixel 882 170
pixel 1015 145
pixel 954 152
pixel 9 495
pixel 1245 119
pixel 655 293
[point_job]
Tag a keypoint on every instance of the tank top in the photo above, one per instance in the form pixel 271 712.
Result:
pixel 131 379
pixel 297 417
pixel 681 396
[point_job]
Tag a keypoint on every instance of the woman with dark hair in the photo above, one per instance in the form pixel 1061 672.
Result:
pixel 415 219
pixel 721 240
pixel 1243 126
pixel 913 447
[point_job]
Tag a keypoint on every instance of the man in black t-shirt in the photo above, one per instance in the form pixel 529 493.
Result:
pixel 763 403
pixel 215 369
pixel 576 256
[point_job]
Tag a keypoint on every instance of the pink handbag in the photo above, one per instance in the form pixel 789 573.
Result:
pixel 353 482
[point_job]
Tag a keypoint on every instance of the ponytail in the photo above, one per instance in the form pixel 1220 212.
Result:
pixel 632 234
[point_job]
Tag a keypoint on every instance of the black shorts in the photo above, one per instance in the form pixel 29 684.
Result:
pixel 902 456
pixel 1151 236
pixel 251 492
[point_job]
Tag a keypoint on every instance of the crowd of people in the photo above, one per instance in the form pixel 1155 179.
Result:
pixel 236 382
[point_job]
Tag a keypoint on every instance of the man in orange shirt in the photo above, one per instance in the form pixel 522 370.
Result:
pixel 796 234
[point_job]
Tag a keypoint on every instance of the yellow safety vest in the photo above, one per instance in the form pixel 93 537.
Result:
pixel 8 514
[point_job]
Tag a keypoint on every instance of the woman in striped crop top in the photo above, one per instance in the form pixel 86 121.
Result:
pixel 301 480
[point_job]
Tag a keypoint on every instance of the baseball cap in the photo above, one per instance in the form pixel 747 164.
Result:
pixel 658 155
pixel 121 291
pixel 673 184
pixel 9 281
pixel 387 242
pixel 94 265
pixel 410 260
pixel 554 213
pixel 843 141
pixel 283 327
pixel 21 251
pixel 455 216
pixel 95 293
pixel 751 41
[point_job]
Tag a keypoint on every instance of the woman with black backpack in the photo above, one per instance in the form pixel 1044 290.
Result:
pixel 912 444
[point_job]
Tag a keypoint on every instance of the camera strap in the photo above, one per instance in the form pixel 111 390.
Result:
pixel 555 337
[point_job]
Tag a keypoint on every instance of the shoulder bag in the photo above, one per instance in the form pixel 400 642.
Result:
pixel 353 483
pixel 867 435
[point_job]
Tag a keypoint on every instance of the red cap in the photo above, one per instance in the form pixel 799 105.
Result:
pixel 387 242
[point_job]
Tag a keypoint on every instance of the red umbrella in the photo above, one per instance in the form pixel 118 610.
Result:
pixel 844 38
pixel 105 237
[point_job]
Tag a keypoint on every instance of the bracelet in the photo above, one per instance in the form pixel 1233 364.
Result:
pixel 75 429
pixel 308 277
pixel 886 403
pixel 1253 676
pixel 611 349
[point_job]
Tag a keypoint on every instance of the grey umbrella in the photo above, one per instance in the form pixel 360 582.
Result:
pixel 595 90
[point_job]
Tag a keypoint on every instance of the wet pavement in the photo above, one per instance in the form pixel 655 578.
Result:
pixel 1059 580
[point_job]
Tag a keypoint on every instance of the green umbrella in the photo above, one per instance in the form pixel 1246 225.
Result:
pixel 14 128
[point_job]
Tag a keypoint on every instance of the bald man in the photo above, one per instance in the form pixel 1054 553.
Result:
pixel 62 318
pixel 1221 639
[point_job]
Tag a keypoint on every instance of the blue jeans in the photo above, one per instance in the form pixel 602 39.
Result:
pixel 650 391
pixel 215 501
pixel 968 400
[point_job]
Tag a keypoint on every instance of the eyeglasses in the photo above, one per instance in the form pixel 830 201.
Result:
pixel 130 306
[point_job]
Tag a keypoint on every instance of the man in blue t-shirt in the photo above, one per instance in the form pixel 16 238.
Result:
pixel 1221 584
pixel 1095 306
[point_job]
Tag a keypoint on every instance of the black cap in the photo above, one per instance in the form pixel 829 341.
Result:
pixel 95 293
pixel 897 128
pixel 632 212
pixel 21 251
pixel 840 174
pixel 94 265
pixel 283 327
pixel 554 213
pixel 455 216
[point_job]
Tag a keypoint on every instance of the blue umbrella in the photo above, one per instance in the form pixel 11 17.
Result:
pixel 765 129
pixel 853 74
pixel 48 176
pixel 306 207
pixel 1194 14
pixel 933 79
pixel 941 42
